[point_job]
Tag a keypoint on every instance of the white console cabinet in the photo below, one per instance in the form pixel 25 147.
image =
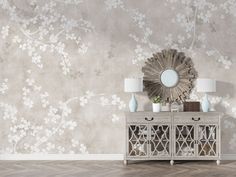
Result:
pixel 173 136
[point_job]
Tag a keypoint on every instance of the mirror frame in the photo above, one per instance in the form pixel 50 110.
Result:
pixel 164 60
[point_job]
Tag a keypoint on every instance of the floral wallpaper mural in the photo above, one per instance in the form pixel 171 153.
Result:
pixel 63 63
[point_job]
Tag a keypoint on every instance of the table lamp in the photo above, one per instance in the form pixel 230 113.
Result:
pixel 206 86
pixel 133 85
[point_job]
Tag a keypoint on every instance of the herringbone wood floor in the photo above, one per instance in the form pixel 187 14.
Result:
pixel 116 169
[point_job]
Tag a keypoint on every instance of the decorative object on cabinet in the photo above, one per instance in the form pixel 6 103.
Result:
pixel 156 104
pixel 174 107
pixel 191 106
pixel 165 107
pixel 133 85
pixel 173 136
pixel 170 74
pixel 206 86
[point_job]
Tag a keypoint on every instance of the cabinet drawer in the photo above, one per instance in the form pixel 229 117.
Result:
pixel 148 119
pixel 196 119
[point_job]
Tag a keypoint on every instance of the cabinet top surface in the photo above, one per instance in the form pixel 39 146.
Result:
pixel 173 113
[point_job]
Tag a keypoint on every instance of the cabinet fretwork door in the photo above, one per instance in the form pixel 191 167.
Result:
pixel 184 140
pixel 207 140
pixel 137 140
pixel 160 140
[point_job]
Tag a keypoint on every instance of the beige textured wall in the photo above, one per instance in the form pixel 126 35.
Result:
pixel 62 65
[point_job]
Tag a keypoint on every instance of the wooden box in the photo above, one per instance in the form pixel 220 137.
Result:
pixel 192 106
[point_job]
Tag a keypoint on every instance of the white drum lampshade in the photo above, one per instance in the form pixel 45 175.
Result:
pixel 206 86
pixel 133 85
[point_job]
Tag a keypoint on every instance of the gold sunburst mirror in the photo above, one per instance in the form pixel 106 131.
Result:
pixel 169 74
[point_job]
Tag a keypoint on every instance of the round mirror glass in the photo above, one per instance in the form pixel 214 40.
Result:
pixel 169 78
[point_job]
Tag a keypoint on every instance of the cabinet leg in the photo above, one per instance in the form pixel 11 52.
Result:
pixel 172 162
pixel 218 162
pixel 125 162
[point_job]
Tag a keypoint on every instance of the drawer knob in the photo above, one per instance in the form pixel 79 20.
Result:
pixel 149 119
pixel 194 119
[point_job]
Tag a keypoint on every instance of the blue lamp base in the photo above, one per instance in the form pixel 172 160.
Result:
pixel 133 104
pixel 205 104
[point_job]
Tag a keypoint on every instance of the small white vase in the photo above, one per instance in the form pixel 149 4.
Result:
pixel 156 107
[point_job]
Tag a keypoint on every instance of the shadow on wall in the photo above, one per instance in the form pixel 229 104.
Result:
pixel 146 102
pixel 229 123
pixel 148 105
pixel 224 89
